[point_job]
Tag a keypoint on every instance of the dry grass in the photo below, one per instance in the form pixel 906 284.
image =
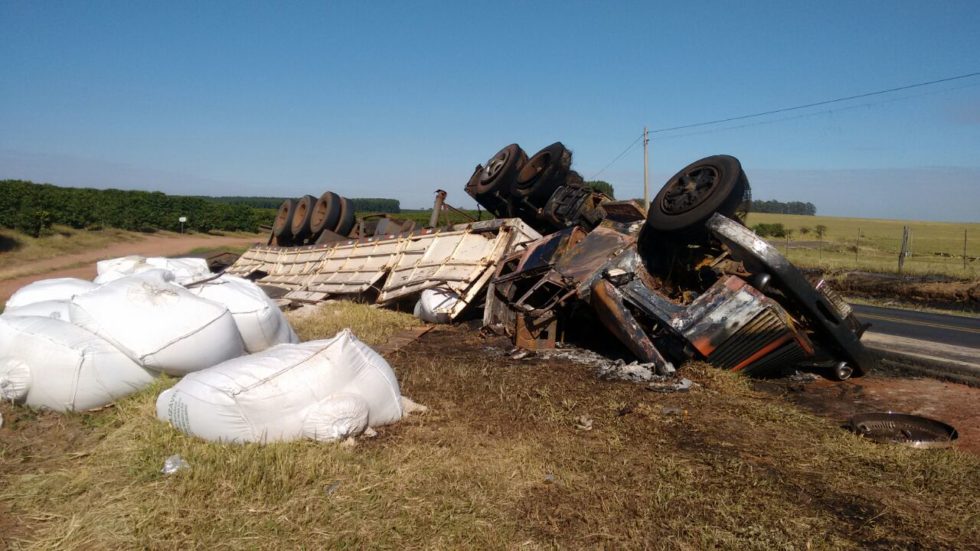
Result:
pixel 936 247
pixel 372 325
pixel 19 248
pixel 496 463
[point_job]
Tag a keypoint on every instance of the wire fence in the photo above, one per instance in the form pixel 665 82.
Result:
pixel 932 250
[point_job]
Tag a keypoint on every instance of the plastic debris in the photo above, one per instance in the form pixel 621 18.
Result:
pixel 173 464
pixel 583 422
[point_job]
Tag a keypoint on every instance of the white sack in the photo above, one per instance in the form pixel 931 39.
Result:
pixel 181 270
pixel 47 363
pixel 259 319
pixel 435 305
pixel 323 390
pixel 159 325
pixel 49 289
pixel 56 309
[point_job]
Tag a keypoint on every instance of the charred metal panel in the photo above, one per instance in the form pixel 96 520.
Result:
pixel 733 325
pixel 608 304
pixel 824 318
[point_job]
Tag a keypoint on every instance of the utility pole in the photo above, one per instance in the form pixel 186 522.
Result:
pixel 646 187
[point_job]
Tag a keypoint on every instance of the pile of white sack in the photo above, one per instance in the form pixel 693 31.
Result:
pixel 70 345
pixel 321 390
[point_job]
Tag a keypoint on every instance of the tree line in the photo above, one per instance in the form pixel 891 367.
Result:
pixel 32 208
pixel 368 204
pixel 779 207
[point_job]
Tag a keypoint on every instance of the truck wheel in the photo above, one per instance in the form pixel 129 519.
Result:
pixel 702 188
pixel 282 227
pixel 326 214
pixel 346 222
pixel 300 225
pixel 501 170
pixel 490 201
pixel 543 174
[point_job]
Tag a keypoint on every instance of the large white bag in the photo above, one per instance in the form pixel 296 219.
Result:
pixel 323 390
pixel 259 320
pixel 48 363
pixel 62 288
pixel 57 309
pixel 158 324
pixel 435 305
pixel 182 270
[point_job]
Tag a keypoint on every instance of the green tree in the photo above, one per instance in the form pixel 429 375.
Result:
pixel 602 187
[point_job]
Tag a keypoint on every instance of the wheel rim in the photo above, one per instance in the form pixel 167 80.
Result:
pixel 495 165
pixel 690 190
pixel 533 168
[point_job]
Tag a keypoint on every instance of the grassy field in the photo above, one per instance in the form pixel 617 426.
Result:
pixel 936 247
pixel 17 248
pixel 496 463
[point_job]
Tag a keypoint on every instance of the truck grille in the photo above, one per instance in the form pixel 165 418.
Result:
pixel 841 305
pixel 763 330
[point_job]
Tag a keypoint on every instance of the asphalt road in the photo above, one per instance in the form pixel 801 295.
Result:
pixel 938 328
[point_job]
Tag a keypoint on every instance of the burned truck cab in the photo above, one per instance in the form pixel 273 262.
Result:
pixel 685 280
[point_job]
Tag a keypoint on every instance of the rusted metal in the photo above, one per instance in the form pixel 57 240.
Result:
pixel 609 305
pixel 900 428
pixel 535 334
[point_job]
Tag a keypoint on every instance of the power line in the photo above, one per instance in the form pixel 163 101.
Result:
pixel 781 110
pixel 618 157
pixel 806 115
pixel 816 104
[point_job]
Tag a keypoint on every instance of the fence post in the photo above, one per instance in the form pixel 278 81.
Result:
pixel 904 251
pixel 964 249
pixel 857 245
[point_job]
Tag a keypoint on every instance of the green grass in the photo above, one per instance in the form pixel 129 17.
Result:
pixel 936 247
pixel 496 463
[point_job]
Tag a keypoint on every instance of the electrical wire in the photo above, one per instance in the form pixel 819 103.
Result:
pixel 816 104
pixel 780 110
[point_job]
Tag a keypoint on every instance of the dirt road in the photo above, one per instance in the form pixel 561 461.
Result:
pixel 82 265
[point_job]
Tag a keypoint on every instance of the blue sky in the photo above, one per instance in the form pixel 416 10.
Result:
pixel 397 99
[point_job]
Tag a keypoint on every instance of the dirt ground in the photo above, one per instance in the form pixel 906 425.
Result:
pixel 82 265
pixel 951 403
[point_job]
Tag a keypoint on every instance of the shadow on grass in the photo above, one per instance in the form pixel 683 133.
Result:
pixel 8 244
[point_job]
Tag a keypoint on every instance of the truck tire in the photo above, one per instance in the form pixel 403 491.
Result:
pixel 500 172
pixel 347 219
pixel 282 227
pixel 543 173
pixel 702 188
pixel 326 214
pixel 490 201
pixel 300 225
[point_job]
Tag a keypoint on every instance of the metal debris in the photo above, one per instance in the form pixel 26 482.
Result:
pixel 901 428
pixel 670 384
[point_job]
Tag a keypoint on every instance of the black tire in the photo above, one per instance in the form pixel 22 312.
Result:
pixel 326 214
pixel 543 173
pixel 500 172
pixel 282 227
pixel 347 219
pixel 300 224
pixel 702 188
pixel 490 201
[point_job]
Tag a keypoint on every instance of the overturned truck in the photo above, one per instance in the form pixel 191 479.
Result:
pixel 683 280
